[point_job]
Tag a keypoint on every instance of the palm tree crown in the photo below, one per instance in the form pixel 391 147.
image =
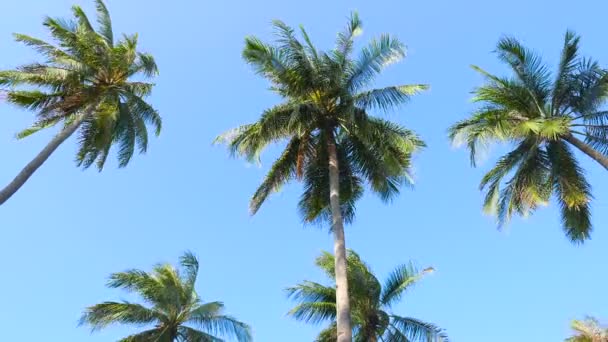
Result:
pixel 541 115
pixel 87 84
pixel 588 330
pixel 324 99
pixel 88 73
pixel 370 303
pixel 173 309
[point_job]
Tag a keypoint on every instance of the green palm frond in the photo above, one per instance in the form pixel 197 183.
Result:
pixel 401 279
pixel 389 97
pixel 219 325
pixel 379 54
pixel 572 190
pixel 144 336
pixel 188 334
pixel 281 172
pixel 417 330
pixel 101 315
pixel 105 22
pixel 345 40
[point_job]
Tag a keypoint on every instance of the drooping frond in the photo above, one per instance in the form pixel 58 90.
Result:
pixel 107 313
pixel 188 334
pixel 415 330
pixel 389 97
pixel 208 317
pixel 281 172
pixel 145 336
pixel 572 191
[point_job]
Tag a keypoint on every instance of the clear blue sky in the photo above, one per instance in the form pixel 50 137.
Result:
pixel 67 230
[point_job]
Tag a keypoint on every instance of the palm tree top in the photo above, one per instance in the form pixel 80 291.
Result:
pixel 371 302
pixel 87 69
pixel 171 307
pixel 324 96
pixel 540 114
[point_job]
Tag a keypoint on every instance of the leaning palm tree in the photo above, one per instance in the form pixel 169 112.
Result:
pixel 334 144
pixel 86 83
pixel 173 307
pixel 588 330
pixel 371 302
pixel 543 117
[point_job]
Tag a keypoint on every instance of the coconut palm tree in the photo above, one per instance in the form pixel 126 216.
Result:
pixel 172 307
pixel 334 145
pixel 544 117
pixel 371 303
pixel 89 83
pixel 588 330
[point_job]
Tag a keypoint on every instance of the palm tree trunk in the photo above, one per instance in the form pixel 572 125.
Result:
pixel 46 152
pixel 588 150
pixel 342 301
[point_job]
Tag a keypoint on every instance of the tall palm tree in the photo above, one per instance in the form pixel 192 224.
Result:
pixel 87 83
pixel 370 303
pixel 543 117
pixel 173 307
pixel 334 144
pixel 588 330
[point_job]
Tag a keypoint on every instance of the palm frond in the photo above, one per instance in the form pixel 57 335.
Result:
pixel 401 279
pixel 105 22
pixel 144 336
pixel 280 173
pixel 373 59
pixel 572 190
pixel 188 334
pixel 567 65
pixel 107 313
pixel 388 98
pixel 417 330
pixel 528 67
pixel 345 40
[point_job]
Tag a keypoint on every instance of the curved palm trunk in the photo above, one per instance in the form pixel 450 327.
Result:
pixel 342 301
pixel 46 152
pixel 588 150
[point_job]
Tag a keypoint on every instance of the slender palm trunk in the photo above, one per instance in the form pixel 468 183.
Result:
pixel 588 150
pixel 46 152
pixel 342 301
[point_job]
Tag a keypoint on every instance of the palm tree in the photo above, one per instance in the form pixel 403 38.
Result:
pixel 588 330
pixel 334 144
pixel 85 83
pixel 173 307
pixel 370 303
pixel 542 117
